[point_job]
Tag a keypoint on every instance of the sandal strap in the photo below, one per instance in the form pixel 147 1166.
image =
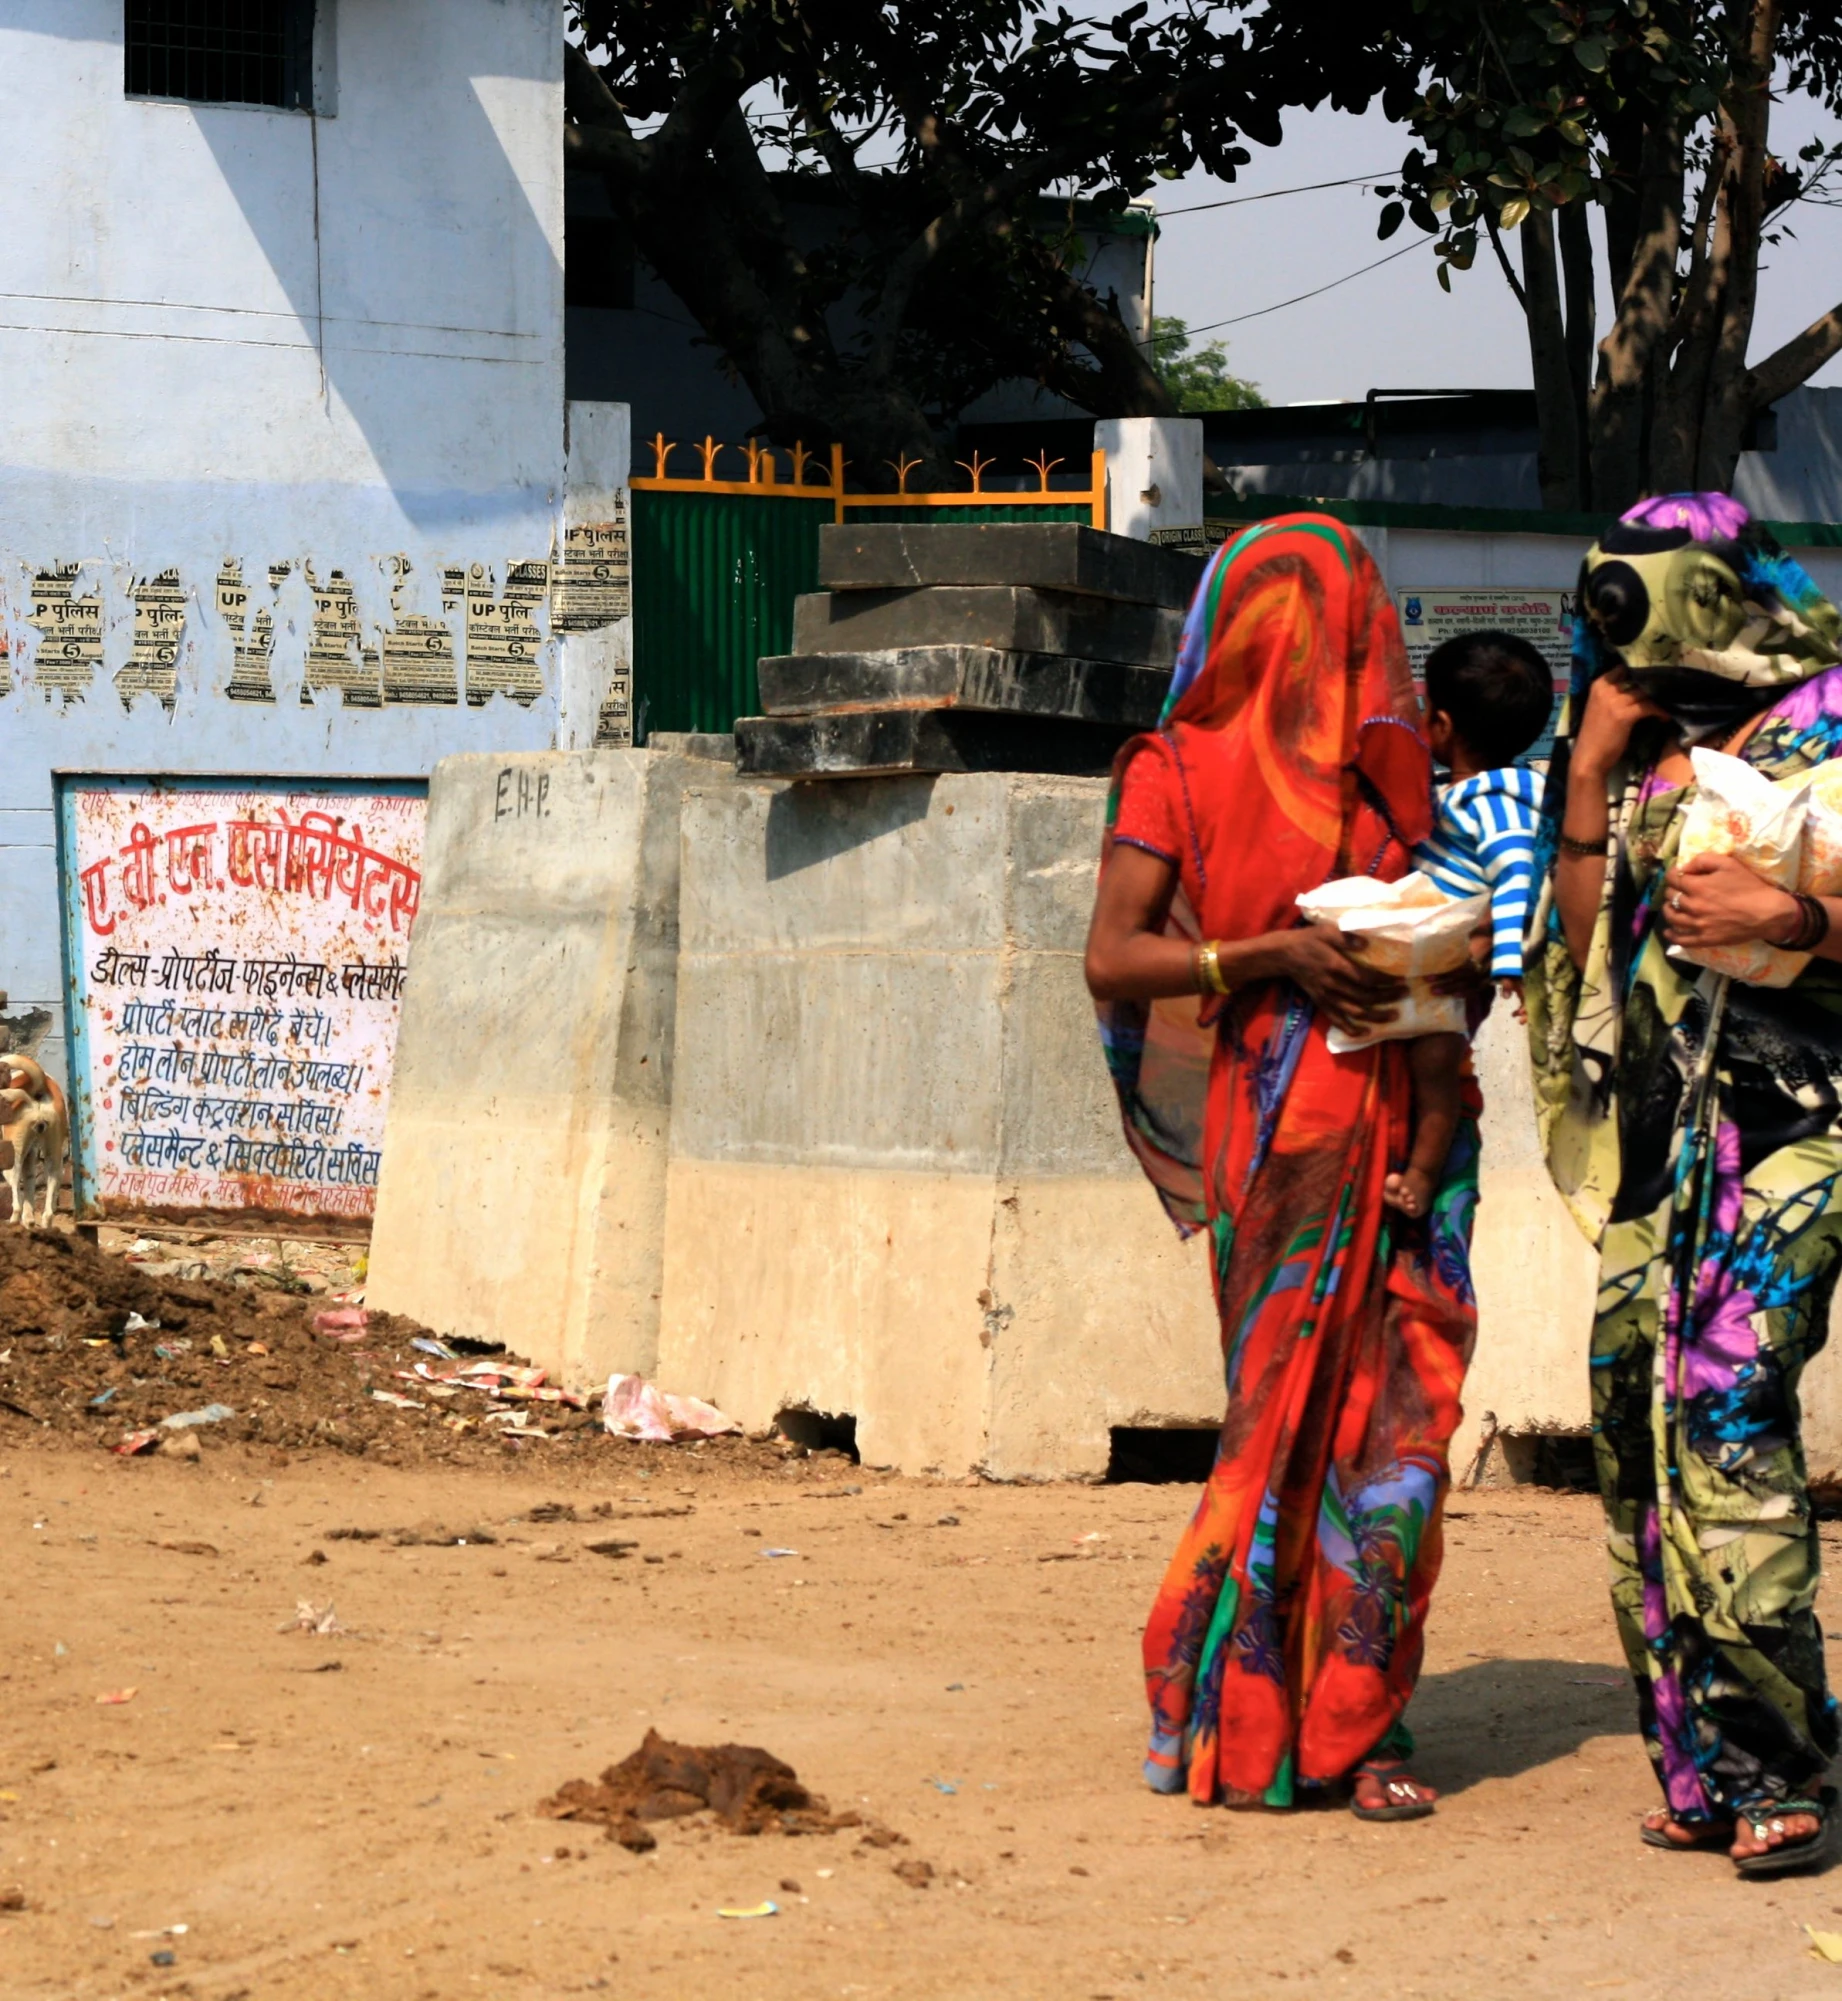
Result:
pixel 1781 1810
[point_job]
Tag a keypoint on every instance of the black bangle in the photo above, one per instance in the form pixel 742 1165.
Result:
pixel 1584 849
pixel 1811 927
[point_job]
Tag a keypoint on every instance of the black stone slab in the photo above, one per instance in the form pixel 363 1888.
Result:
pixel 1043 555
pixel 997 615
pixel 879 743
pixel 964 677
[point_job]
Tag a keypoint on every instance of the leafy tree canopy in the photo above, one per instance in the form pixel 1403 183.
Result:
pixel 1528 114
pixel 948 144
pixel 1197 378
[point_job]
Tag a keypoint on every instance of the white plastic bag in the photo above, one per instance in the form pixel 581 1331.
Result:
pixel 1820 872
pixel 1738 811
pixel 633 1408
pixel 1412 930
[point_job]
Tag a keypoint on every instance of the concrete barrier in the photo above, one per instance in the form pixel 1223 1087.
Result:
pixel 791 1095
pixel 522 1192
pixel 897 1185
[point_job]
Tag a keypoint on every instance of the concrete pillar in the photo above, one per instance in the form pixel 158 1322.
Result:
pixel 592 602
pixel 1154 473
pixel 897 1186
pixel 522 1193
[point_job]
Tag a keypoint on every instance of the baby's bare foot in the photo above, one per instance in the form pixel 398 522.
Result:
pixel 1410 1191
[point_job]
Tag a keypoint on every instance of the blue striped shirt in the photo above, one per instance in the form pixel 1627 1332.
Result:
pixel 1483 838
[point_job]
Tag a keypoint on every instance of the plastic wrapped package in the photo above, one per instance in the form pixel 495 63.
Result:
pixel 1738 811
pixel 1411 929
pixel 1820 871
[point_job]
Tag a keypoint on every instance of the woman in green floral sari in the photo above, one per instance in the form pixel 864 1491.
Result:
pixel 1694 1125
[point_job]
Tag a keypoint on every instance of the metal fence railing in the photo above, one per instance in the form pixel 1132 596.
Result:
pixel 718 562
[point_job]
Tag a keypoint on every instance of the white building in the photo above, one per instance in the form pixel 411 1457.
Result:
pixel 285 485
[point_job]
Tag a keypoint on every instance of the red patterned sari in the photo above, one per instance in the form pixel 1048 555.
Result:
pixel 1287 1637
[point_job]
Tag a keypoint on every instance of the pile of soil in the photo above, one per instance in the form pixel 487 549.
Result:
pixel 95 1346
pixel 748 1790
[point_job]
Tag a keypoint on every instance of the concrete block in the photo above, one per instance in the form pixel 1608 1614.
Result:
pixel 1153 473
pixel 1003 617
pixel 1040 555
pixel 965 677
pixel 869 742
pixel 521 1197
pixel 1537 1278
pixel 891 1091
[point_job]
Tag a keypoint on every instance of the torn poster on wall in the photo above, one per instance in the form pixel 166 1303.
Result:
pixel 237 953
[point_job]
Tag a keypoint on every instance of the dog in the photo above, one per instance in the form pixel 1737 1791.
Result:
pixel 35 1124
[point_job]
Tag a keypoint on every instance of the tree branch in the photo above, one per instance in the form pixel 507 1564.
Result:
pixel 1746 109
pixel 1509 270
pixel 1792 365
pixel 600 136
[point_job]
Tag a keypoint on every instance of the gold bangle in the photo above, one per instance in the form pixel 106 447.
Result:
pixel 1209 978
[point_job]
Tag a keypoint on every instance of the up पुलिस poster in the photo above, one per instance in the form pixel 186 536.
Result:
pixel 239 964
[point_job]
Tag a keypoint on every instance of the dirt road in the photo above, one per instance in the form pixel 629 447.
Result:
pixel 350 1814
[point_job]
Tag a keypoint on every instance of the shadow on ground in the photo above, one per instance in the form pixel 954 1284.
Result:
pixel 1495 1719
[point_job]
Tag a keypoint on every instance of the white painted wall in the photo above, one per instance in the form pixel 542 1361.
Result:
pixel 231 332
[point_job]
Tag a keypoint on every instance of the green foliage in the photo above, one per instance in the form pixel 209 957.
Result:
pixel 952 147
pixel 1198 377
pixel 1523 108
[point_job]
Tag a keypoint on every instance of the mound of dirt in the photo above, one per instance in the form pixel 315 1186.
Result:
pixel 92 1345
pixel 749 1790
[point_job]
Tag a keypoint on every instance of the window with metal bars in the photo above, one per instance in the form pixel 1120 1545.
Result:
pixel 222 51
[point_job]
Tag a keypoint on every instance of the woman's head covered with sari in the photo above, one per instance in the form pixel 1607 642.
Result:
pixel 1698 605
pixel 1293 711
pixel 1293 731
pixel 1707 614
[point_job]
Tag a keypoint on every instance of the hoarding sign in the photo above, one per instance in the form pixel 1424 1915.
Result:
pixel 235 952
pixel 1543 617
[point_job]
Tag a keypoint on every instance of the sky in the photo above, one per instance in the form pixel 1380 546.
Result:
pixel 1394 328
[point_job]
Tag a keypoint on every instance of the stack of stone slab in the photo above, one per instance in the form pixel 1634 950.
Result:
pixel 1019 646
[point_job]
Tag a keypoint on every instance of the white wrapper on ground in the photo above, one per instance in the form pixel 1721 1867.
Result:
pixel 633 1408
pixel 1738 811
pixel 1412 930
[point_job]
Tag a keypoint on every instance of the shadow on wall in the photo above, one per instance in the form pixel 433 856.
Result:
pixel 430 160
pixel 810 824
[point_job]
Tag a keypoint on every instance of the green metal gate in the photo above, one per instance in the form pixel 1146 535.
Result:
pixel 718 563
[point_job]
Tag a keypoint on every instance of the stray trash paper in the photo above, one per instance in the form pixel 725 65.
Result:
pixel 633 1408
pixel 1411 929
pixel 1825 1945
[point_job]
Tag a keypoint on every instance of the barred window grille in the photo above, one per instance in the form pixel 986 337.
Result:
pixel 222 51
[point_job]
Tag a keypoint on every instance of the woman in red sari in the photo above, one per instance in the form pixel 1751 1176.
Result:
pixel 1288 1634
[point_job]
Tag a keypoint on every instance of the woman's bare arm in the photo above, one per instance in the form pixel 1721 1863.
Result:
pixel 1613 711
pixel 1130 956
pixel 1716 900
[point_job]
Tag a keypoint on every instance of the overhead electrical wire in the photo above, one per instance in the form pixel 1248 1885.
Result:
pixel 1298 299
pixel 1273 194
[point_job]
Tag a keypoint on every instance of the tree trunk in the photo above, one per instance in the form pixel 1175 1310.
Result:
pixel 1577 282
pixel 1559 453
pixel 1623 395
pixel 1746 111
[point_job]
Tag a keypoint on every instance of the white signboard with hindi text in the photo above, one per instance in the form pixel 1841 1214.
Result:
pixel 1543 617
pixel 236 952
